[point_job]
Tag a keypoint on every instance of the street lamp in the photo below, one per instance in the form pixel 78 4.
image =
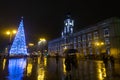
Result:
pixel 41 44
pixel 42 41
pixel 31 44
pixel 10 33
pixel 31 47
pixel 99 45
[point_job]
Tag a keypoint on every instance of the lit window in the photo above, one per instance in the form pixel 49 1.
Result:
pixel 96 35
pixel 106 32
pixel 64 29
pixel 79 45
pixel 83 38
pixel 71 30
pixel 62 34
pixel 107 41
pixel 89 37
pixel 74 40
pixel 75 46
pixel 68 29
pixel 66 24
pixel 84 44
pixel 79 39
pixel 89 44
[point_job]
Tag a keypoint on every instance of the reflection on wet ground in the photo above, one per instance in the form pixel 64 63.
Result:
pixel 49 69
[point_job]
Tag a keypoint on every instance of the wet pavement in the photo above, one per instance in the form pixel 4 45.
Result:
pixel 49 69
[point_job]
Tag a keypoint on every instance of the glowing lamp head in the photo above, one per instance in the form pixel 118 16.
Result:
pixel 14 31
pixel 65 47
pixel 11 32
pixel 97 44
pixel 31 44
pixel 42 39
pixel 102 43
pixel 8 32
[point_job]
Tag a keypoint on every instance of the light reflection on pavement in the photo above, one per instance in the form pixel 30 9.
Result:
pixel 49 69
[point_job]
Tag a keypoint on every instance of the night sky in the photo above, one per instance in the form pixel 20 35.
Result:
pixel 44 18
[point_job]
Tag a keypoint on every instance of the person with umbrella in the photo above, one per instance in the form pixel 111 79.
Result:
pixel 70 59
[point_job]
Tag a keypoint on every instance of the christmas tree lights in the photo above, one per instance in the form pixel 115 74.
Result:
pixel 19 44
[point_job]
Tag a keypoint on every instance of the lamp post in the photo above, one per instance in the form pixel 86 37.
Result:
pixel 41 44
pixel 31 47
pixel 99 45
pixel 10 33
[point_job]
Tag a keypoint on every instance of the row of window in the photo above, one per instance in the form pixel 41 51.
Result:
pixel 86 40
pixel 94 36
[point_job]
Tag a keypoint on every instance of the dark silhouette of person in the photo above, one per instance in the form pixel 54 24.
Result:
pixel 105 59
pixel 68 67
pixel 68 63
pixel 74 61
pixel 112 60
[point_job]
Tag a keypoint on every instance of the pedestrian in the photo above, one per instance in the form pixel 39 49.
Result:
pixel 74 61
pixel 68 67
pixel 68 63
pixel 71 62
pixel 105 59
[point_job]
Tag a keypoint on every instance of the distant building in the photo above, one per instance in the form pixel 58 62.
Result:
pixel 103 37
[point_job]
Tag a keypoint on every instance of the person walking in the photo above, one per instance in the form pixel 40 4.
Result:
pixel 68 63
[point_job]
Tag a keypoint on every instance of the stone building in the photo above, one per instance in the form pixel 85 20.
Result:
pixel 102 37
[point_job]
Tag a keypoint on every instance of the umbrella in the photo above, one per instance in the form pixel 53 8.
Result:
pixel 70 51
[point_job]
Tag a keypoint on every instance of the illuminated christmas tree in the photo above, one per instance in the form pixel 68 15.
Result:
pixel 19 43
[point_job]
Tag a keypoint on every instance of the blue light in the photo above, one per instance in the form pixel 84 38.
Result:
pixel 16 69
pixel 19 43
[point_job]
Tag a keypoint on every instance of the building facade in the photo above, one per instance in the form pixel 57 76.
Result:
pixel 103 37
